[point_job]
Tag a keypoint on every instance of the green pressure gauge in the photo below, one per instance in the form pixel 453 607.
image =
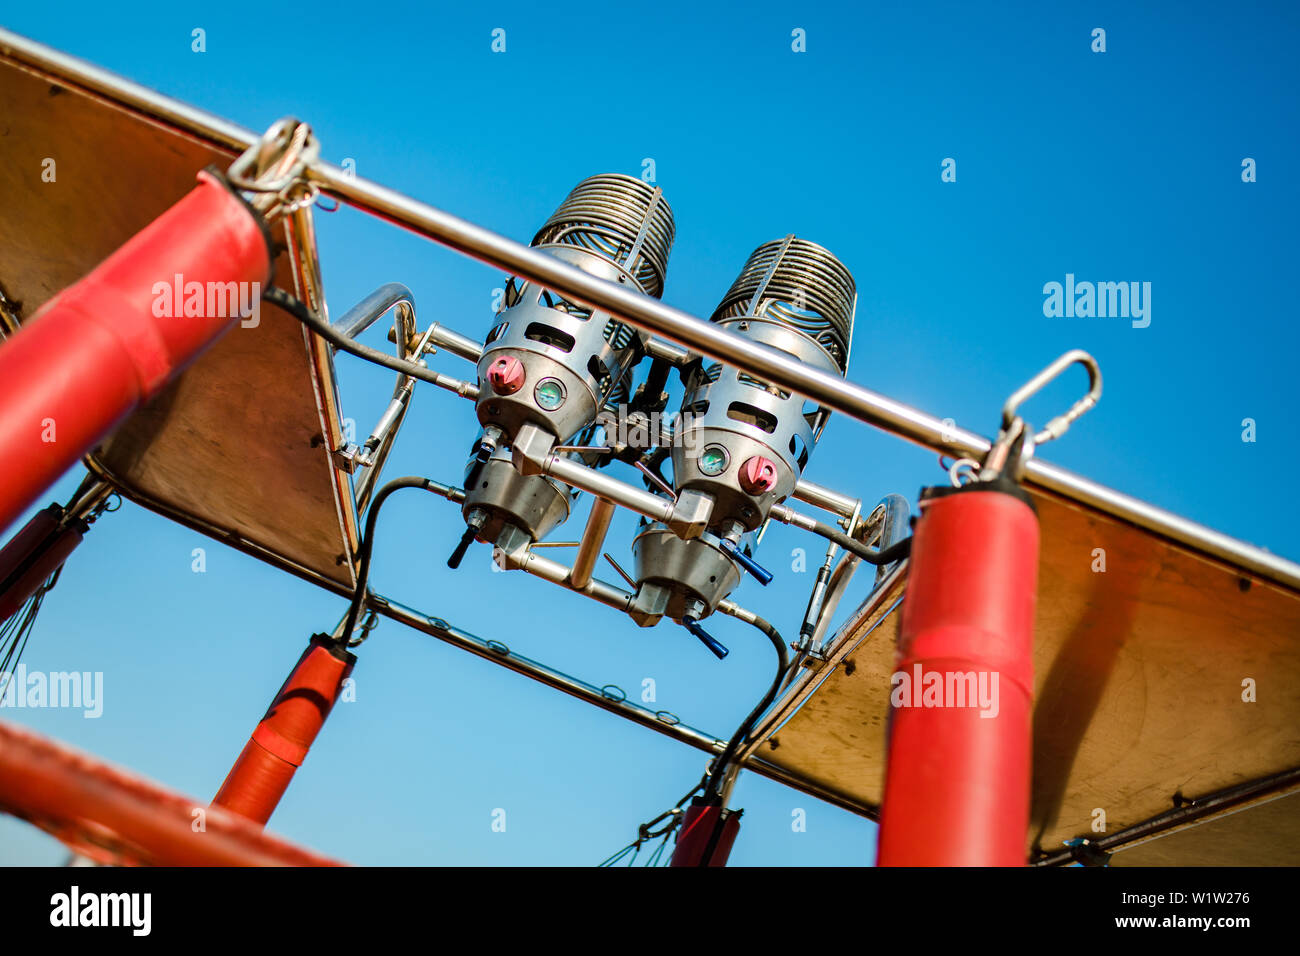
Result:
pixel 713 460
pixel 549 394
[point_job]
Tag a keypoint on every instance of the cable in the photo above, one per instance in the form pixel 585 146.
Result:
pixel 299 310
pixel 650 396
pixel 896 551
pixel 368 542
pixel 714 784
pixel 647 832
pixel 17 631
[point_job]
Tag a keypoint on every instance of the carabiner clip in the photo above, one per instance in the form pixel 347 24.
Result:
pixel 1059 425
pixel 1015 443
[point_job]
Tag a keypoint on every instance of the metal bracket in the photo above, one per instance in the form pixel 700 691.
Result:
pixel 348 457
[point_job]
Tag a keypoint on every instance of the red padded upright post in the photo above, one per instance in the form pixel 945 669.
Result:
pixel 33 554
pixel 280 742
pixel 957 780
pixel 102 347
pixel 701 831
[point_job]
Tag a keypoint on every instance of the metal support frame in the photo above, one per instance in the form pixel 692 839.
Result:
pixel 370 457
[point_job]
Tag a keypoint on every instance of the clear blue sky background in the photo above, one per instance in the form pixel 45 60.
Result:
pixel 1117 166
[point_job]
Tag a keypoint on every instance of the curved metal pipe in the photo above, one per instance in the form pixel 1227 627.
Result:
pixel 894 527
pixel 373 307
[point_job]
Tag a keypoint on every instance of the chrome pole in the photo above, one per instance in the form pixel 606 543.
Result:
pixel 601 485
pixel 593 539
pixel 826 499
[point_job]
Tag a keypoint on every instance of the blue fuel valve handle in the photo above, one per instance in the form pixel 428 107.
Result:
pixel 705 637
pixel 761 574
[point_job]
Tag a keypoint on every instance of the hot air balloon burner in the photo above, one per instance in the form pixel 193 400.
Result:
pixel 742 442
pixel 553 364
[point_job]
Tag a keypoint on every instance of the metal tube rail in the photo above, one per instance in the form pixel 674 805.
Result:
pixel 826 499
pixel 355 321
pixel 455 343
pixel 386 430
pixel 558 573
pixel 601 485
pixel 499 653
pixel 674 355
pixel 1187 815
pixel 373 307
pixel 710 340
pixel 894 527
pixel 300 233
pixel 662 722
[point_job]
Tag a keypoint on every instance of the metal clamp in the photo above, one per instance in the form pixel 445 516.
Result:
pixel 275 168
pixel 1011 449
pixel 365 627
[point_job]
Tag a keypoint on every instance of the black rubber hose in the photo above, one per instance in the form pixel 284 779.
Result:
pixel 368 543
pixel 299 310
pixel 896 551
pixel 652 391
pixel 714 783
pixel 711 795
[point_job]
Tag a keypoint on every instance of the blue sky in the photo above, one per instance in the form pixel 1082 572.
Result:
pixel 1115 166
